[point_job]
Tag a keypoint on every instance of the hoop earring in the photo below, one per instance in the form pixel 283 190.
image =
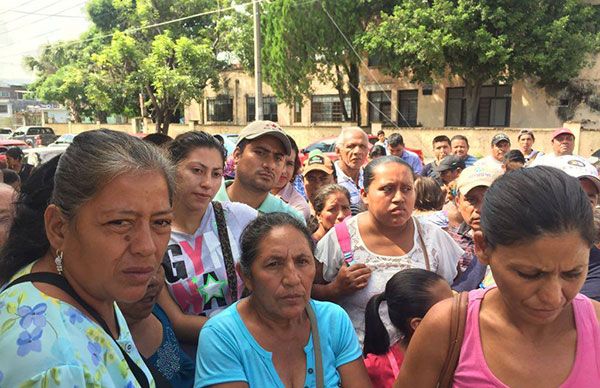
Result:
pixel 58 260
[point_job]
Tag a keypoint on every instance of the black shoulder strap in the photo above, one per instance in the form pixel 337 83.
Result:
pixel 60 282
pixel 226 249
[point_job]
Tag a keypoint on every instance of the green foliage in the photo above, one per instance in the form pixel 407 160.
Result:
pixel 484 41
pixel 301 44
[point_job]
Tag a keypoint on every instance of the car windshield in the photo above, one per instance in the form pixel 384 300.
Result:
pixel 5 131
pixel 65 139
pixel 323 146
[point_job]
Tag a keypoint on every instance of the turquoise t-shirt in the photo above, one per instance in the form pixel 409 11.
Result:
pixel 228 352
pixel 271 204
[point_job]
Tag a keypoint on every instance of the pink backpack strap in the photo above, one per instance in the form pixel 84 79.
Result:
pixel 343 237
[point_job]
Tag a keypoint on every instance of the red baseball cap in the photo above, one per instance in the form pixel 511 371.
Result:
pixel 560 131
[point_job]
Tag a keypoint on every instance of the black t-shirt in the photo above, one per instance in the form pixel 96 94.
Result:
pixel 25 172
pixel 591 287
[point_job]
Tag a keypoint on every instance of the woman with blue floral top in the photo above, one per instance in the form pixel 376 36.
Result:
pixel 100 240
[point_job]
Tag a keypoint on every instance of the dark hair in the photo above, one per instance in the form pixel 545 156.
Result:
pixel 525 132
pixel 183 144
pixel 429 194
pixel 369 173
pixel 377 151
pixel 380 132
pixel 27 239
pixel 460 137
pixel 527 203
pixel 260 227
pixel 158 139
pixel 10 176
pixel 15 153
pixel 439 139
pixel 69 181
pixel 395 140
pixel 324 193
pixel 408 296
pixel 297 163
pixel 514 156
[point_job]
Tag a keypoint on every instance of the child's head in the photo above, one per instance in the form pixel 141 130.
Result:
pixel 409 295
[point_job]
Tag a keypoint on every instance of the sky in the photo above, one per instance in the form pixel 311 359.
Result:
pixel 25 25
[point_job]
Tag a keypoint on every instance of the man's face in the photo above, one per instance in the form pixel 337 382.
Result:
pixel 12 163
pixel 500 149
pixel 396 151
pixel 314 180
pixel 563 144
pixel 460 148
pixel 526 142
pixel 469 206
pixel 441 149
pixel 450 175
pixel 354 150
pixel 591 190
pixel 260 164
pixel 381 137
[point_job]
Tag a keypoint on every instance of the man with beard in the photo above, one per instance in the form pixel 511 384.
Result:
pixel 472 184
pixel 499 147
pixel 352 147
pixel 259 158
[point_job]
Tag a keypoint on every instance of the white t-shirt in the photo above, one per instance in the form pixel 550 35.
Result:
pixel 195 272
pixel 443 258
pixel 489 161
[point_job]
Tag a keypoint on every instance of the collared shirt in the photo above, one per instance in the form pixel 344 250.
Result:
pixel 293 198
pixel 271 204
pixel 350 184
pixel 470 160
pixel 413 160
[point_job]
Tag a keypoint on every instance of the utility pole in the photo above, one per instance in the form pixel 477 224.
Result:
pixel 258 99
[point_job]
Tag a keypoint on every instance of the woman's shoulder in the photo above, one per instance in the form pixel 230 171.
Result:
pixel 226 321
pixel 236 209
pixel 327 310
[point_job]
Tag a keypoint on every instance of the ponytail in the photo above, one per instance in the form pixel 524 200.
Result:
pixel 377 340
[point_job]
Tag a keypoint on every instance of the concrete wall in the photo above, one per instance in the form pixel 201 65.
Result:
pixel 587 140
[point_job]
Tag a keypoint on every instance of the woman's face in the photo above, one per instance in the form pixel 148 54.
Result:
pixel 143 307
pixel 199 177
pixel 282 273
pixel 114 244
pixel 288 171
pixel 391 196
pixel 337 207
pixel 538 279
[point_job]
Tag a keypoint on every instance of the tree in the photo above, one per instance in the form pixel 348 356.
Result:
pixel 484 41
pixel 302 43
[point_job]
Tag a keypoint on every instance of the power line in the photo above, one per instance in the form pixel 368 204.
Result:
pixel 39 9
pixel 370 72
pixel 8 10
pixel 38 20
pixel 31 37
pixel 44 14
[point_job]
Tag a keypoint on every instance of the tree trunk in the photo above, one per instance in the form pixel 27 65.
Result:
pixel 353 80
pixel 472 92
pixel 101 117
pixel 339 86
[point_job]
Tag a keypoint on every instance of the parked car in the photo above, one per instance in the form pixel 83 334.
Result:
pixel 5 133
pixel 327 146
pixel 34 135
pixel 63 140
pixel 38 155
pixel 6 144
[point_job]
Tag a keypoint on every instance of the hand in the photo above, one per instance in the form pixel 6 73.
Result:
pixel 351 278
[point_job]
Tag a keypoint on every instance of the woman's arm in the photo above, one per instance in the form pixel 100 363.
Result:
pixel 186 326
pixel 354 374
pixel 427 350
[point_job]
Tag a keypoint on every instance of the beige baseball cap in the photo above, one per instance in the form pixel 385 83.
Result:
pixel 318 162
pixel 474 176
pixel 256 129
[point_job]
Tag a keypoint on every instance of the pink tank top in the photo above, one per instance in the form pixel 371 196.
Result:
pixel 472 370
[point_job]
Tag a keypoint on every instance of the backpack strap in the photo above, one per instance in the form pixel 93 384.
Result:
pixel 458 320
pixel 226 249
pixel 422 244
pixel 343 236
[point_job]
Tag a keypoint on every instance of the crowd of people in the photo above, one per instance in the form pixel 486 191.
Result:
pixel 166 262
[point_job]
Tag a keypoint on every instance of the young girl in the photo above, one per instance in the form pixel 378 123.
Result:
pixel 409 295
pixel 332 206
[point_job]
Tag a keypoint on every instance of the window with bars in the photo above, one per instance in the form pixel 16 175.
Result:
pixel 269 108
pixel 3 109
pixel 494 106
pixel 456 107
pixel 380 107
pixel 329 108
pixel 297 112
pixel 408 104
pixel 219 108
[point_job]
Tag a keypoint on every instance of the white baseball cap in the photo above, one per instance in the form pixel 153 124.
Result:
pixel 575 166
